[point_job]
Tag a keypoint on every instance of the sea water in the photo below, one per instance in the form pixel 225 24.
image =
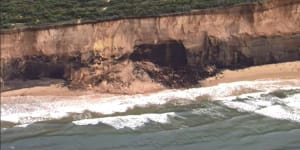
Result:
pixel 262 115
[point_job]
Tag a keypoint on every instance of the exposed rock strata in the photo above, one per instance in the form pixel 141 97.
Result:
pixel 176 51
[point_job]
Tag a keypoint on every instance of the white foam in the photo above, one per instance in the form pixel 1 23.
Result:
pixel 212 112
pixel 3 129
pixel 22 125
pixel 278 112
pixel 43 108
pixel 284 109
pixel 260 103
pixel 131 121
pixel 241 106
pixel 293 101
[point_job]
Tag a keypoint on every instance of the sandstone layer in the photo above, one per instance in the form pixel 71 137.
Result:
pixel 165 51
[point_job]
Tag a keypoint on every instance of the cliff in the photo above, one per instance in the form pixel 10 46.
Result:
pixel 178 50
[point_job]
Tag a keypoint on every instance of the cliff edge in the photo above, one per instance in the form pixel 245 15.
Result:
pixel 136 55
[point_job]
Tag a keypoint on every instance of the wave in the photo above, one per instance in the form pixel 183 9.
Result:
pixel 130 121
pixel 264 104
pixel 29 109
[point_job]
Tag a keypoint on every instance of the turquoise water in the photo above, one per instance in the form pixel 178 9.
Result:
pixel 262 120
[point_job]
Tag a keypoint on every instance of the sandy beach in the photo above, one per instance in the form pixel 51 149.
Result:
pixel 47 87
pixel 288 70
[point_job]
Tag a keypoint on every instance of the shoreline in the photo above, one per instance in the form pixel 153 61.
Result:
pixel 50 87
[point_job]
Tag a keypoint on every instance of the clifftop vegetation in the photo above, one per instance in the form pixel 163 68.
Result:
pixel 33 13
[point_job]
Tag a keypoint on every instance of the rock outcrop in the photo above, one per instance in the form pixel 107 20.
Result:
pixel 174 50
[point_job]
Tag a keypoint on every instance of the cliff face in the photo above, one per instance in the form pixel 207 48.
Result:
pixel 114 51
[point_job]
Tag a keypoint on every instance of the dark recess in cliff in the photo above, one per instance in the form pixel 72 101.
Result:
pixel 166 63
pixel 169 53
pixel 35 70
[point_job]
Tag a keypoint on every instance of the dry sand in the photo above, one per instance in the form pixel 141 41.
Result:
pixel 47 87
pixel 42 87
pixel 288 70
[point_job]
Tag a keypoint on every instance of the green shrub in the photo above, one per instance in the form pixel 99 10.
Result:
pixel 44 12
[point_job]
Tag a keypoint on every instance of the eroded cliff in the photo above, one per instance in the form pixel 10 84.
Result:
pixel 174 51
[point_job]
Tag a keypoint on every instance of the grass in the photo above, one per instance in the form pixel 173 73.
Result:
pixel 32 13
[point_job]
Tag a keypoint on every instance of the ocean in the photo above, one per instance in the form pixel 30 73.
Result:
pixel 245 115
